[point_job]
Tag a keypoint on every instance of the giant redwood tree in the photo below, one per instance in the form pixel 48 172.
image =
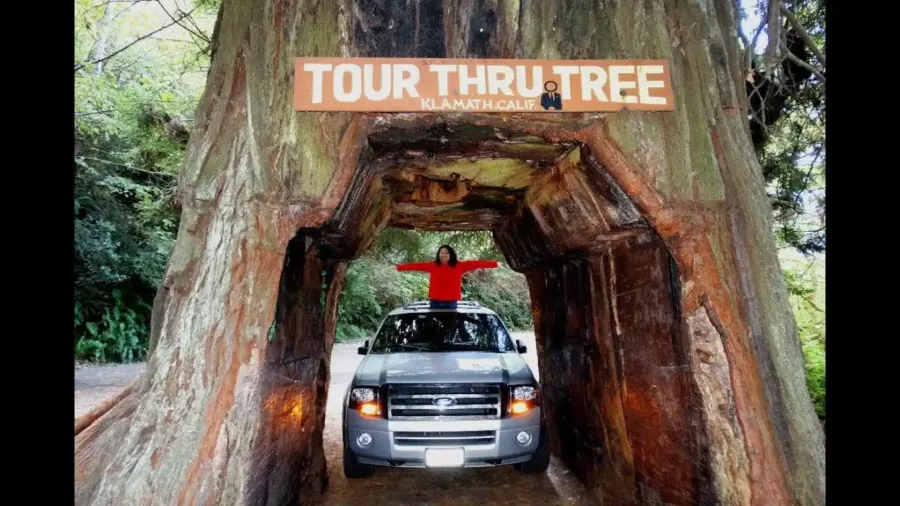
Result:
pixel 670 360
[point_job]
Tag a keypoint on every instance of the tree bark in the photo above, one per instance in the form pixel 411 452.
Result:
pixel 104 28
pixel 224 415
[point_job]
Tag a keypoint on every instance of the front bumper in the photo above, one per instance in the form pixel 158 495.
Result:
pixel 391 447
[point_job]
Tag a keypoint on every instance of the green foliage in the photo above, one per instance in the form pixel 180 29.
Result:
pixel 399 245
pixel 503 290
pixel 374 287
pixel 805 279
pixel 814 353
pixel 793 163
pixel 349 332
pixel 787 120
pixel 120 334
pixel 131 118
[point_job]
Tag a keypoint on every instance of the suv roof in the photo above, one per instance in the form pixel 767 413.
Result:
pixel 423 306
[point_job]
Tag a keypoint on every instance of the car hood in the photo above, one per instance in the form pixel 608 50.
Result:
pixel 445 367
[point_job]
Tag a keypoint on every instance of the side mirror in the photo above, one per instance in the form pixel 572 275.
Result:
pixel 362 350
pixel 520 346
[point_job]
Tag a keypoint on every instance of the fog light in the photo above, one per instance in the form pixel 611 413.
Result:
pixel 523 438
pixel 365 439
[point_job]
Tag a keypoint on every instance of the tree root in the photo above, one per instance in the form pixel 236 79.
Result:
pixel 85 420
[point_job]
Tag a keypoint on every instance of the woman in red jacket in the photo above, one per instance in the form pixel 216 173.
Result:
pixel 445 273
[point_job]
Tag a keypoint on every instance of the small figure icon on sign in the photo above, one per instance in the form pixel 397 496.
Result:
pixel 551 99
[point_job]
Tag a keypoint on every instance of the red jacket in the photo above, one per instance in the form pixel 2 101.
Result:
pixel 446 281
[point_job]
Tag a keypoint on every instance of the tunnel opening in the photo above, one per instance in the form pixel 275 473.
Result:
pixel 622 404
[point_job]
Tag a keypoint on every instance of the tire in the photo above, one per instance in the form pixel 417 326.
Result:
pixel 353 469
pixel 540 461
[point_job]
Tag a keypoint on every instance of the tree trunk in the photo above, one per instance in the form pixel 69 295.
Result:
pixel 275 202
pixel 104 29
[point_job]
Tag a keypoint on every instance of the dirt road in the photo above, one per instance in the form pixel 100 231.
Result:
pixel 488 486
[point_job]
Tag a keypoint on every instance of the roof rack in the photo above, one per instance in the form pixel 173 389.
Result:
pixel 424 304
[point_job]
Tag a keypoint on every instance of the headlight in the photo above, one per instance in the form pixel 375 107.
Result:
pixel 362 395
pixel 524 394
pixel 523 399
pixel 365 400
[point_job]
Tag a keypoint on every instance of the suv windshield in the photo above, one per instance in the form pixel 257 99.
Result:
pixel 440 331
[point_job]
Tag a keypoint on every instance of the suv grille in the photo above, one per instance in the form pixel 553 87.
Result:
pixel 432 439
pixel 444 402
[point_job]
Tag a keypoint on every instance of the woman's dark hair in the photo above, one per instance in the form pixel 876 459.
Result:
pixel 437 257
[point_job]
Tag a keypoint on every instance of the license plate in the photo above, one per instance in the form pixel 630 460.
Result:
pixel 445 457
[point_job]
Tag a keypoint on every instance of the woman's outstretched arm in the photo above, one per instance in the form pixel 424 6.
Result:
pixel 415 266
pixel 471 265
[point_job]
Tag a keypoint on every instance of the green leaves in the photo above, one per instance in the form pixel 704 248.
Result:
pixel 503 290
pixel 374 287
pixel 814 353
pixel 805 279
pixel 400 245
pixel 126 161
pixel 119 335
pixel 788 116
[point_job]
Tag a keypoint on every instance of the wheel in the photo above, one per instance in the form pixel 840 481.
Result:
pixel 540 461
pixel 353 468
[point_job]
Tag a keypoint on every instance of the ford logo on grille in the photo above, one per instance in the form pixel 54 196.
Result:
pixel 444 401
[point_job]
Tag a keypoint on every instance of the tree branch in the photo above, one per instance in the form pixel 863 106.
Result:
pixel 135 41
pixel 748 55
pixel 743 36
pixel 759 30
pixel 127 7
pixel 107 2
pixel 192 32
pixel 748 49
pixel 193 22
pixel 774 24
pixel 749 46
pixel 811 303
pixel 803 33
pixel 166 39
pixel 129 167
pixel 92 113
pixel 201 35
pixel 791 56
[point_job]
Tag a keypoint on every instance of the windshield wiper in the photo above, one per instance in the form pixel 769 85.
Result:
pixel 470 346
pixel 413 346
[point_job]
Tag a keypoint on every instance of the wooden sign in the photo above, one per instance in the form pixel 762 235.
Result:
pixel 480 85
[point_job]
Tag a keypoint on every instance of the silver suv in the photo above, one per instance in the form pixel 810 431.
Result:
pixel 443 388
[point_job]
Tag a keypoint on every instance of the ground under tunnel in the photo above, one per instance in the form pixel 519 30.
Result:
pixel 621 396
